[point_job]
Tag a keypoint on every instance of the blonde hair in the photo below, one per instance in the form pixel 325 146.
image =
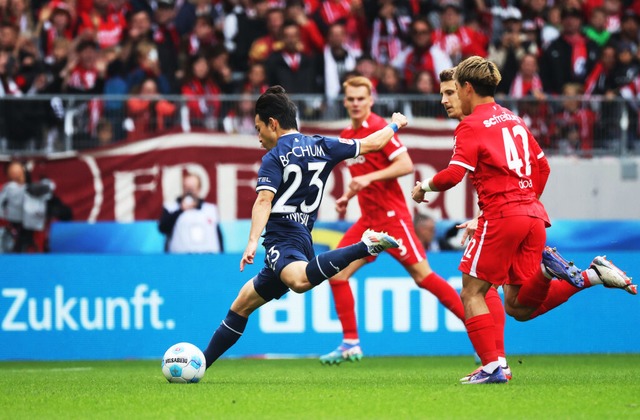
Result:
pixel 481 73
pixel 358 81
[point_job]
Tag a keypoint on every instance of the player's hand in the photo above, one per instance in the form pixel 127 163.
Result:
pixel 418 193
pixel 249 254
pixel 469 227
pixel 399 119
pixel 341 204
pixel 359 183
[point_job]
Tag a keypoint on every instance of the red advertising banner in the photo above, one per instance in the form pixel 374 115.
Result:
pixel 130 181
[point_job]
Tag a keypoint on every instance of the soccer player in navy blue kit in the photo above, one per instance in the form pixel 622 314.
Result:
pixel 291 182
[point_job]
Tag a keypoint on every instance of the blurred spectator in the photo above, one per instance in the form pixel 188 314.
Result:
pixel 424 84
pixel 507 53
pixel 20 17
pixel 241 118
pixel 191 224
pixel 339 60
pixel 552 27
pixel 256 79
pixel 425 228
pixel 9 36
pixel 202 37
pixel 390 31
pixel 569 58
pixel 613 13
pixel 55 21
pixel 457 40
pixel 596 30
pixel 148 66
pixel 147 114
pixel 527 81
pixel 391 85
pixel 290 67
pixel 572 127
pixel 202 94
pixel 220 70
pixel 104 132
pixel 534 111
pixel 312 38
pixel 85 71
pixel 422 54
pixel 250 15
pixel 629 35
pixel 602 79
pixel 262 47
pixel 366 66
pixel 103 24
pixel 631 93
pixel 167 40
pixel 28 208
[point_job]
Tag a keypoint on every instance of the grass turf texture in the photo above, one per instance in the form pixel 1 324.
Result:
pixel 584 386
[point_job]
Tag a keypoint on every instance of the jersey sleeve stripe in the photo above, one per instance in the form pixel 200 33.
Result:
pixel 357 148
pixel 464 165
pixel 266 187
pixel 540 155
pixel 397 152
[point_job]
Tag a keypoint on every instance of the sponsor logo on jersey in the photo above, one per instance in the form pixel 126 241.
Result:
pixel 302 151
pixel 496 119
pixel 525 183
pixel 356 160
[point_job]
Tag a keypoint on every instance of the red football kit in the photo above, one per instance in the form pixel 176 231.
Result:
pixel 509 171
pixel 382 204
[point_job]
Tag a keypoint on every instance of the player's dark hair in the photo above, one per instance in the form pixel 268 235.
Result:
pixel 274 103
pixel 447 75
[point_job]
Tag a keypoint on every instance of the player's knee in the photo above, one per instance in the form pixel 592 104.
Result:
pixel 300 286
pixel 516 313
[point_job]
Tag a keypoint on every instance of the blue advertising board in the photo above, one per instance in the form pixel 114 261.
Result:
pixel 84 307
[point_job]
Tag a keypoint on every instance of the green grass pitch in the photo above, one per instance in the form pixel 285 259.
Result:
pixel 580 386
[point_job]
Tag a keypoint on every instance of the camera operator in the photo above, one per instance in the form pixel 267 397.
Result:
pixel 27 208
pixel 191 224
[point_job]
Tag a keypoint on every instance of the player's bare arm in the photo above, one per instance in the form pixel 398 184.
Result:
pixel 259 217
pixel 379 139
pixel 400 165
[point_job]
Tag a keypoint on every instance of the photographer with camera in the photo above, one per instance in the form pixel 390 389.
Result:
pixel 191 224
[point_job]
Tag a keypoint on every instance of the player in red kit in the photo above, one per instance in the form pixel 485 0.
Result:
pixel 556 268
pixel 382 204
pixel 509 171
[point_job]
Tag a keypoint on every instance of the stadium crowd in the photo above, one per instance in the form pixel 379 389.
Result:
pixel 572 49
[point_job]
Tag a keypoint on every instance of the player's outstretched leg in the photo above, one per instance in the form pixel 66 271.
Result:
pixel 611 276
pixel 330 263
pixel 377 242
pixel 347 351
pixel 558 267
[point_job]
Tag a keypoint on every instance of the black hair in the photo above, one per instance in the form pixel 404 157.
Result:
pixel 274 103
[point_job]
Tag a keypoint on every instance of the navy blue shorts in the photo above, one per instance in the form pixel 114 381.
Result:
pixel 280 253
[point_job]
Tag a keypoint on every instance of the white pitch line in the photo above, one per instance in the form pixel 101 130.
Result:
pixel 71 369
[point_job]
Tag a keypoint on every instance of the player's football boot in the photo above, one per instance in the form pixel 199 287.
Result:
pixel 560 268
pixel 482 377
pixel 377 242
pixel 612 276
pixel 344 352
pixel 506 370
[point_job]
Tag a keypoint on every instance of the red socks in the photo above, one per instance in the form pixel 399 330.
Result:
pixel 534 291
pixel 446 294
pixel 559 292
pixel 496 308
pixel 345 307
pixel 481 331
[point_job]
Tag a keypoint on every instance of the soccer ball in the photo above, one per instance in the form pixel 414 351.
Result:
pixel 183 363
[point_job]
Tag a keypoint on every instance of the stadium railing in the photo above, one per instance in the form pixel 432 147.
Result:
pixel 41 124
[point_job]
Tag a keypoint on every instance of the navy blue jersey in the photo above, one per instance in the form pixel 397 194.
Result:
pixel 296 170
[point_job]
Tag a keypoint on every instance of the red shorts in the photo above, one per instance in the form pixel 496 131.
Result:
pixel 410 250
pixel 505 251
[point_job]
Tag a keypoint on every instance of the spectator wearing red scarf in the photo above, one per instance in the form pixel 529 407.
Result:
pixel 570 57
pixel 202 94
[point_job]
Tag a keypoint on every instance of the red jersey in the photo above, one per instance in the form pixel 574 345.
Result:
pixel 381 198
pixel 504 159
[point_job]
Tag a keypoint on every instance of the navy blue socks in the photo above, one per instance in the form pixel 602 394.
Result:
pixel 330 263
pixel 225 336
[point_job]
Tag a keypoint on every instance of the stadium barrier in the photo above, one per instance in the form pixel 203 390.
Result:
pixel 82 307
pixel 576 126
